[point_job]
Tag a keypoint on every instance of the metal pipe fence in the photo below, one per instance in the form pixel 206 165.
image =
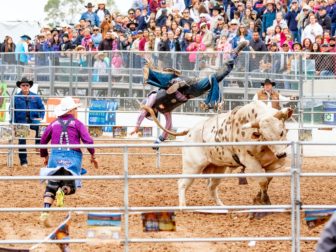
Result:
pixel 295 207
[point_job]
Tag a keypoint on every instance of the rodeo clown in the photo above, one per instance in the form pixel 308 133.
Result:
pixel 66 129
pixel 174 90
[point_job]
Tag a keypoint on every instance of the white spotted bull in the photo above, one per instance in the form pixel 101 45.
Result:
pixel 252 122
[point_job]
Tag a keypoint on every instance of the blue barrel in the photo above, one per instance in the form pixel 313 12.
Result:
pixel 329 108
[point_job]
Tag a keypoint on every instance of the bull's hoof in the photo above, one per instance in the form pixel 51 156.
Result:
pixel 258 215
pixel 243 181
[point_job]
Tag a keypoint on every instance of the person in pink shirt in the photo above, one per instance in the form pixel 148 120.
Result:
pixel 196 47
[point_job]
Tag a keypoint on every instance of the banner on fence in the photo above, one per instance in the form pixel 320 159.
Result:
pixel 5 134
pixel 3 94
pixel 103 112
pixel 104 226
pixel 316 218
pixel 119 131
pixel 145 132
pixel 158 221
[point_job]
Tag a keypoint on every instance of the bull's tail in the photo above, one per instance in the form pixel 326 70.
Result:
pixel 152 113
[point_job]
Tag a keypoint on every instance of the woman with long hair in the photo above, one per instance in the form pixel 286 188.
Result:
pixel 8 47
pixel 307 45
pixel 247 17
pixel 242 35
pixel 55 45
pixel 152 25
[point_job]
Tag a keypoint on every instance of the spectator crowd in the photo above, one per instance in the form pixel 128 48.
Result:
pixel 189 26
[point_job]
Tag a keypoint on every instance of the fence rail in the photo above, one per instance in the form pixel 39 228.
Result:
pixel 295 207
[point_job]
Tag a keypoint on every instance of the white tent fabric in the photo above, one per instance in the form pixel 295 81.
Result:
pixel 15 29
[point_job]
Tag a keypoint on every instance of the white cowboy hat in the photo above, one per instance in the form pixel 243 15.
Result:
pixel 67 104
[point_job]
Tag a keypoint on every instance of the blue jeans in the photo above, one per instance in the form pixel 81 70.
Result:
pixel 333 29
pixel 326 73
pixel 296 36
pixel 22 141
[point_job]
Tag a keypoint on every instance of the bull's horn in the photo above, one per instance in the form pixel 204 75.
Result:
pixel 151 112
pixel 251 125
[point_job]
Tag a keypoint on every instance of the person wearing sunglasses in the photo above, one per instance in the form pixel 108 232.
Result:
pixel 28 109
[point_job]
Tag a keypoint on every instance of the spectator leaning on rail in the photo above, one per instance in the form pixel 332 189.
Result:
pixel 22 50
pixel 28 109
pixel 270 96
pixel 66 129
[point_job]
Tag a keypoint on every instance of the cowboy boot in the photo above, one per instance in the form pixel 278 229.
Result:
pixel 241 46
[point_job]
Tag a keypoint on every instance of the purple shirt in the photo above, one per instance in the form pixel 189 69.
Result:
pixel 77 131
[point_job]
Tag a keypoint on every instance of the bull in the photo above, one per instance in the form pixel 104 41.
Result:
pixel 252 122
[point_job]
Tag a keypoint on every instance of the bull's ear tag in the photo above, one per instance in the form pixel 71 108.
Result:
pixel 256 135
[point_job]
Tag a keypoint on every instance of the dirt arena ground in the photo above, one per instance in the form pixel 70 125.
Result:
pixel 162 193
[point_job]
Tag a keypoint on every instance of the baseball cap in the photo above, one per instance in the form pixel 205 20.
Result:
pixel 203 15
pixel 322 8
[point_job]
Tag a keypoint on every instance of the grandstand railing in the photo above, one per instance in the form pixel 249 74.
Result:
pixel 294 208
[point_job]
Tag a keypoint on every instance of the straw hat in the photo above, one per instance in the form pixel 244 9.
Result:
pixel 67 104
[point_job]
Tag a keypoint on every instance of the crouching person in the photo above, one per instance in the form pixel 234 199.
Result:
pixel 66 129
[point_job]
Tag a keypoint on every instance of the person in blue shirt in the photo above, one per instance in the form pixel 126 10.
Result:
pixel 21 50
pixel 90 15
pixel 28 109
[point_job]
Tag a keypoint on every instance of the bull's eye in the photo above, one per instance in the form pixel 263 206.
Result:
pixel 281 135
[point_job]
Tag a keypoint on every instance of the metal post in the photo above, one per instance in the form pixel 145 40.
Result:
pixel 52 75
pixel 130 81
pixel 300 104
pixel 297 204
pixel 71 75
pixel 89 65
pixel 158 156
pixel 10 159
pixel 293 197
pixel 126 214
pixel 109 79
pixel 2 65
pixel 247 66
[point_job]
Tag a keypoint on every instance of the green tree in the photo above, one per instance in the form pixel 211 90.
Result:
pixel 51 8
pixel 68 10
